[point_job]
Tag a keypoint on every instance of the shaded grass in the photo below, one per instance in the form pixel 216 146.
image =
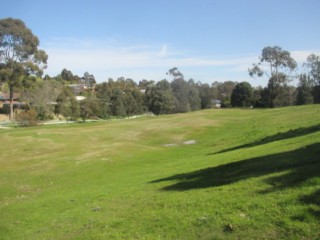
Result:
pixel 277 137
pixel 303 163
pixel 116 180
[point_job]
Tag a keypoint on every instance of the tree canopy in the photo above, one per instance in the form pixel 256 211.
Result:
pixel 279 64
pixel 242 95
pixel 313 64
pixel 19 54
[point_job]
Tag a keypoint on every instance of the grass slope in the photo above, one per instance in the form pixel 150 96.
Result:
pixel 252 174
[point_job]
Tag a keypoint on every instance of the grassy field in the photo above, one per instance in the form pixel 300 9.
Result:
pixel 250 174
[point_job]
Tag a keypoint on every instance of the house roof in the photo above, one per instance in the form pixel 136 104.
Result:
pixel 6 96
pixel 216 101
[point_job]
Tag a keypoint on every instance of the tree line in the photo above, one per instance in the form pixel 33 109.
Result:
pixel 22 65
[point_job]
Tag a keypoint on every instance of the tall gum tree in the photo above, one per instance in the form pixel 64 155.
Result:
pixel 19 54
pixel 313 64
pixel 276 64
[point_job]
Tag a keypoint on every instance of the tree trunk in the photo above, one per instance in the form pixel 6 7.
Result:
pixel 11 102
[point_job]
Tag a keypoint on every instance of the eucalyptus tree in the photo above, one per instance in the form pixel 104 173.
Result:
pixel 180 89
pixel 160 98
pixel 117 104
pixel 194 96
pixel 134 101
pixel 144 84
pixel 242 95
pixel 276 64
pixel 89 79
pixel 19 54
pixel 67 75
pixel 103 92
pixel 91 107
pixel 313 64
pixel 42 97
pixel 67 104
pixel 205 95
pixel 223 91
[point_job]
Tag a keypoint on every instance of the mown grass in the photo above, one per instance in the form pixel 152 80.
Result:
pixel 252 174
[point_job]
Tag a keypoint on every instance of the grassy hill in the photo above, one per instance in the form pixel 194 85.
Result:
pixel 214 174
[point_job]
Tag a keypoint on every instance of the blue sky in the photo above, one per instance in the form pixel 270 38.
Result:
pixel 208 40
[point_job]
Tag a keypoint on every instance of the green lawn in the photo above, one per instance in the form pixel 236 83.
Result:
pixel 252 174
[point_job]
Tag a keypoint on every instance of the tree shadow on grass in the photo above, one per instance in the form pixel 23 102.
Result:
pixel 298 166
pixel 304 163
pixel 313 199
pixel 277 137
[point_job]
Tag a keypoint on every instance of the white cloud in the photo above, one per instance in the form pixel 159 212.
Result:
pixel 164 51
pixel 106 61
pixel 107 58
pixel 301 55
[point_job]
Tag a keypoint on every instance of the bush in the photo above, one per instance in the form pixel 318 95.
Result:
pixel 316 94
pixel 27 118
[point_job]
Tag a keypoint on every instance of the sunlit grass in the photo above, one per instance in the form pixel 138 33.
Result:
pixel 251 174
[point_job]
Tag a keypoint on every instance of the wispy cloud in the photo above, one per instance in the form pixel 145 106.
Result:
pixel 110 59
pixel 164 51
pixel 301 55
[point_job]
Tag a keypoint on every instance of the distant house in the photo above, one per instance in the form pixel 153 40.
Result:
pixel 77 89
pixel 216 103
pixel 5 99
pixel 5 103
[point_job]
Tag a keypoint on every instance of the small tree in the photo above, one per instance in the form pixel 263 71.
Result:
pixel 89 80
pixel 223 91
pixel 67 75
pixel 27 118
pixel 205 95
pixel 242 95
pixel 90 108
pixel 194 96
pixel 304 91
pixel 180 89
pixel 67 104
pixel 42 97
pixel 160 99
pixel 313 64
pixel 261 97
pixel 103 93
pixel 117 103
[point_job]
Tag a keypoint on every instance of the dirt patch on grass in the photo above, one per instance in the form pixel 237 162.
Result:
pixel 188 142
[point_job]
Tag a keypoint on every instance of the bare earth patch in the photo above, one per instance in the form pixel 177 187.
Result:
pixel 189 142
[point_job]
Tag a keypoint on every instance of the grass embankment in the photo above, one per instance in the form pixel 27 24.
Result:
pixel 252 174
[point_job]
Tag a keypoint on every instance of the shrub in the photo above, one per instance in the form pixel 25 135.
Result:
pixel 27 118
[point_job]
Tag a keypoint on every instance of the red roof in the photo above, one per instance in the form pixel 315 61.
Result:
pixel 6 96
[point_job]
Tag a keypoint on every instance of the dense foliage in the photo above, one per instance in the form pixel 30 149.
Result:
pixel 242 95
pixel 72 97
pixel 19 54
pixel 276 64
